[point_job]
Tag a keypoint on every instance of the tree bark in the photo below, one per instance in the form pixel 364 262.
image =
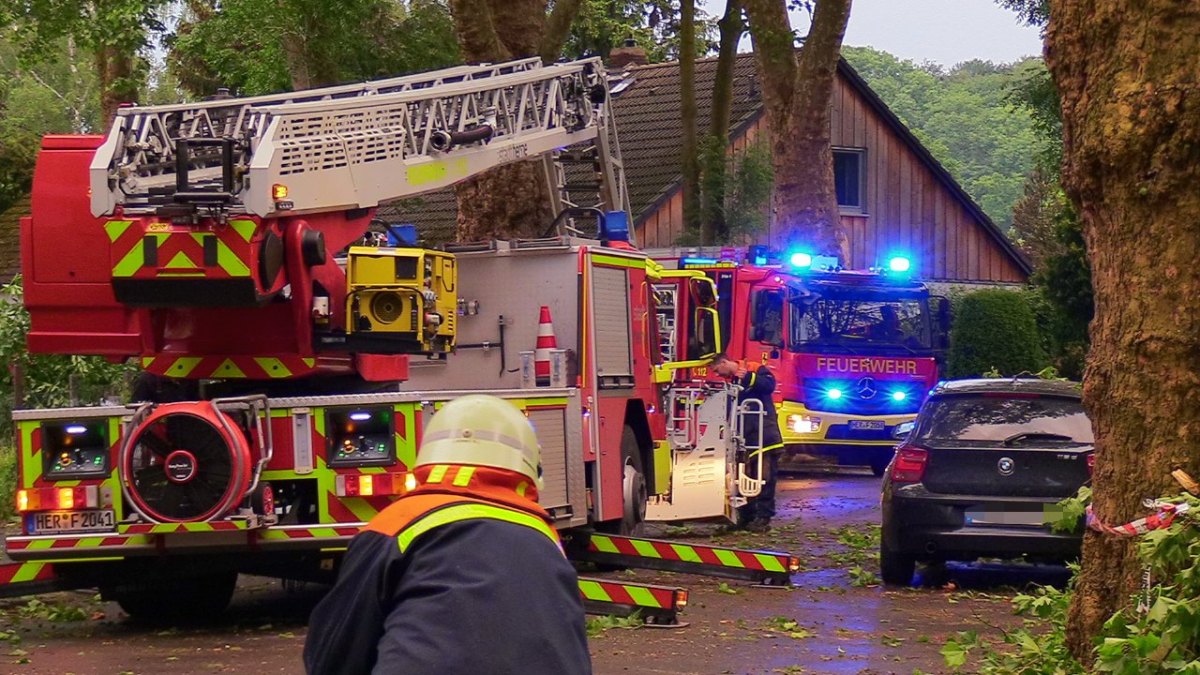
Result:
pixel 713 161
pixel 114 67
pixel 797 95
pixel 510 200
pixel 689 150
pixel 1126 70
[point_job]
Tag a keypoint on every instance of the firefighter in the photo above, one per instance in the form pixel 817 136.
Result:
pixel 465 573
pixel 757 382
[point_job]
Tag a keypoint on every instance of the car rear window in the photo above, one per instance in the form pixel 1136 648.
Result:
pixel 994 418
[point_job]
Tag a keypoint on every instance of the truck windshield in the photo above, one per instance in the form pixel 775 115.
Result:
pixel 858 323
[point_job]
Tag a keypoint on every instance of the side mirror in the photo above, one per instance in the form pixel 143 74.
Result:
pixel 902 430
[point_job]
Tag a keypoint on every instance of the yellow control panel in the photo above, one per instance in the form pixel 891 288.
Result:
pixel 409 294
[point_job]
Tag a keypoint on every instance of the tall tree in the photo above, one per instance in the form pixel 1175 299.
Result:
pixel 1126 73
pixel 797 91
pixel 690 147
pixel 509 200
pixel 713 222
pixel 116 32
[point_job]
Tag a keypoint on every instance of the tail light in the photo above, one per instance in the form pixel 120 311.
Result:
pixel 373 485
pixel 909 465
pixel 60 499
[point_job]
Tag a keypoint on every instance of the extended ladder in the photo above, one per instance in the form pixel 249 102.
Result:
pixel 353 146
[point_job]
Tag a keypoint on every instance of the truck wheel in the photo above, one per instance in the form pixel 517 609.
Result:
pixel 633 489
pixel 895 568
pixel 193 599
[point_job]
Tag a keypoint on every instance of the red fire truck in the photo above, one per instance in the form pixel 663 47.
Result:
pixel 290 369
pixel 853 352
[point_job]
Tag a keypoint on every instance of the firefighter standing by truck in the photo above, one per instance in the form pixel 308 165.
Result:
pixel 465 574
pixel 757 382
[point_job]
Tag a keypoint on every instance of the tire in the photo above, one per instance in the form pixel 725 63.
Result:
pixel 186 600
pixel 633 489
pixel 895 568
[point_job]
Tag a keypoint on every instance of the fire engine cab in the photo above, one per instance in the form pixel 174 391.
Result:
pixel 854 352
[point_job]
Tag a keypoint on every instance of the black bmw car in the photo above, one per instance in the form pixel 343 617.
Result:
pixel 980 472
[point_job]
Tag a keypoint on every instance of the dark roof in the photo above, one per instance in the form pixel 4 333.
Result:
pixel 647 114
pixel 10 239
pixel 1009 385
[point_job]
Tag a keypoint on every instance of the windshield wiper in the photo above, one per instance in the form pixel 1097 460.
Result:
pixel 1026 435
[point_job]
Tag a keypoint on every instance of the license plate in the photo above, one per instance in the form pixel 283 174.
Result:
pixel 866 425
pixel 1005 518
pixel 53 522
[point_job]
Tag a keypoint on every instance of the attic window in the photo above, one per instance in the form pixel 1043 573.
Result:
pixel 849 178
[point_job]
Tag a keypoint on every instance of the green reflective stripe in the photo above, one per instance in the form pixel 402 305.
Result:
pixel 463 478
pixel 233 265
pixel 766 449
pixel 437 474
pixel 27 572
pixel 592 590
pixel 459 512
pixel 769 562
pixel 132 262
pixel 244 228
pixel 645 548
pixel 686 553
pixel 272 366
pixel 642 596
pixel 753 375
pixel 604 544
pixel 116 228
pixel 728 558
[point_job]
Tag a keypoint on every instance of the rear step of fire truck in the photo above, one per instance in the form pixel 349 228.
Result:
pixel 768 568
pixel 30 578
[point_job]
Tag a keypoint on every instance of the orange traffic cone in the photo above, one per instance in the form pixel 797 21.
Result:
pixel 541 353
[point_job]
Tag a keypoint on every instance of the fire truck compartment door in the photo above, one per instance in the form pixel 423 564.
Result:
pixel 703 483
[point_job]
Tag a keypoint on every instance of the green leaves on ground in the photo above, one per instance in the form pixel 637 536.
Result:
pixel 789 627
pixel 599 625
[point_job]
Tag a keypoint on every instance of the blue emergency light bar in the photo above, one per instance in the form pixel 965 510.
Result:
pixel 899 263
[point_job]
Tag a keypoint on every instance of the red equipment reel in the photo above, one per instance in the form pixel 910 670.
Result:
pixel 186 463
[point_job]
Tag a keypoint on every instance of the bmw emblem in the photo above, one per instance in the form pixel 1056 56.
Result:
pixel 1006 466
pixel 866 387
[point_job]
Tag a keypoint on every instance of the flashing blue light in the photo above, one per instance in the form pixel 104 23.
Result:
pixel 360 416
pixel 834 394
pixel 899 396
pixel 76 429
pixel 899 264
pixel 698 261
pixel 760 260
pixel 801 260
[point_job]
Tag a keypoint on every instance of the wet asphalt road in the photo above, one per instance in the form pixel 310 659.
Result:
pixel 828 623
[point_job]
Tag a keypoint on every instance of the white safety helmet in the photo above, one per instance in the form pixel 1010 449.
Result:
pixel 482 430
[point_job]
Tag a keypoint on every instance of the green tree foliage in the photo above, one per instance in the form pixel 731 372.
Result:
pixel 47 377
pixel 58 94
pixel 994 331
pixel 652 24
pixel 260 46
pixel 747 187
pixel 966 118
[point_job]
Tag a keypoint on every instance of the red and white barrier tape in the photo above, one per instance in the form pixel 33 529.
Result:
pixel 1155 521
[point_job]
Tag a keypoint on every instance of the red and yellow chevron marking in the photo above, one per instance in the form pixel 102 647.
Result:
pixel 766 561
pixel 171 528
pixel 314 532
pixel 229 367
pixel 636 595
pixel 178 251
pixel 16 573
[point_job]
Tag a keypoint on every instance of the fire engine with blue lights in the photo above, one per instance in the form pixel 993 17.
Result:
pixel 854 352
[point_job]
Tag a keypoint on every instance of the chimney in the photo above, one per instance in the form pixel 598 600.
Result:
pixel 626 55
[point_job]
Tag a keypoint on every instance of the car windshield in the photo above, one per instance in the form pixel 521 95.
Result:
pixel 995 419
pixel 853 322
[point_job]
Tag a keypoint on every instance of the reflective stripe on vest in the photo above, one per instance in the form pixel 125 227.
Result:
pixel 471 511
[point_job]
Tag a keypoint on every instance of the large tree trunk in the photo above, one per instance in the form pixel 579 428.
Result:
pixel 1126 70
pixel 510 200
pixel 689 150
pixel 713 149
pixel 114 67
pixel 797 95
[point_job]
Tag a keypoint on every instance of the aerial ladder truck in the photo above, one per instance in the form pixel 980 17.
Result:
pixel 289 369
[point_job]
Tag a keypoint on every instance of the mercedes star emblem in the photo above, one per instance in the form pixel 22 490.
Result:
pixel 866 387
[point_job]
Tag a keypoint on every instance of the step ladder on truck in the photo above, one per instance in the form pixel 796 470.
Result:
pixel 289 370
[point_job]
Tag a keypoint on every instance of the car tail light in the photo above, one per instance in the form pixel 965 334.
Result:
pixel 909 465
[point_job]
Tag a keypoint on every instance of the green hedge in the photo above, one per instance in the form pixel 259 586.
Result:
pixel 994 331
